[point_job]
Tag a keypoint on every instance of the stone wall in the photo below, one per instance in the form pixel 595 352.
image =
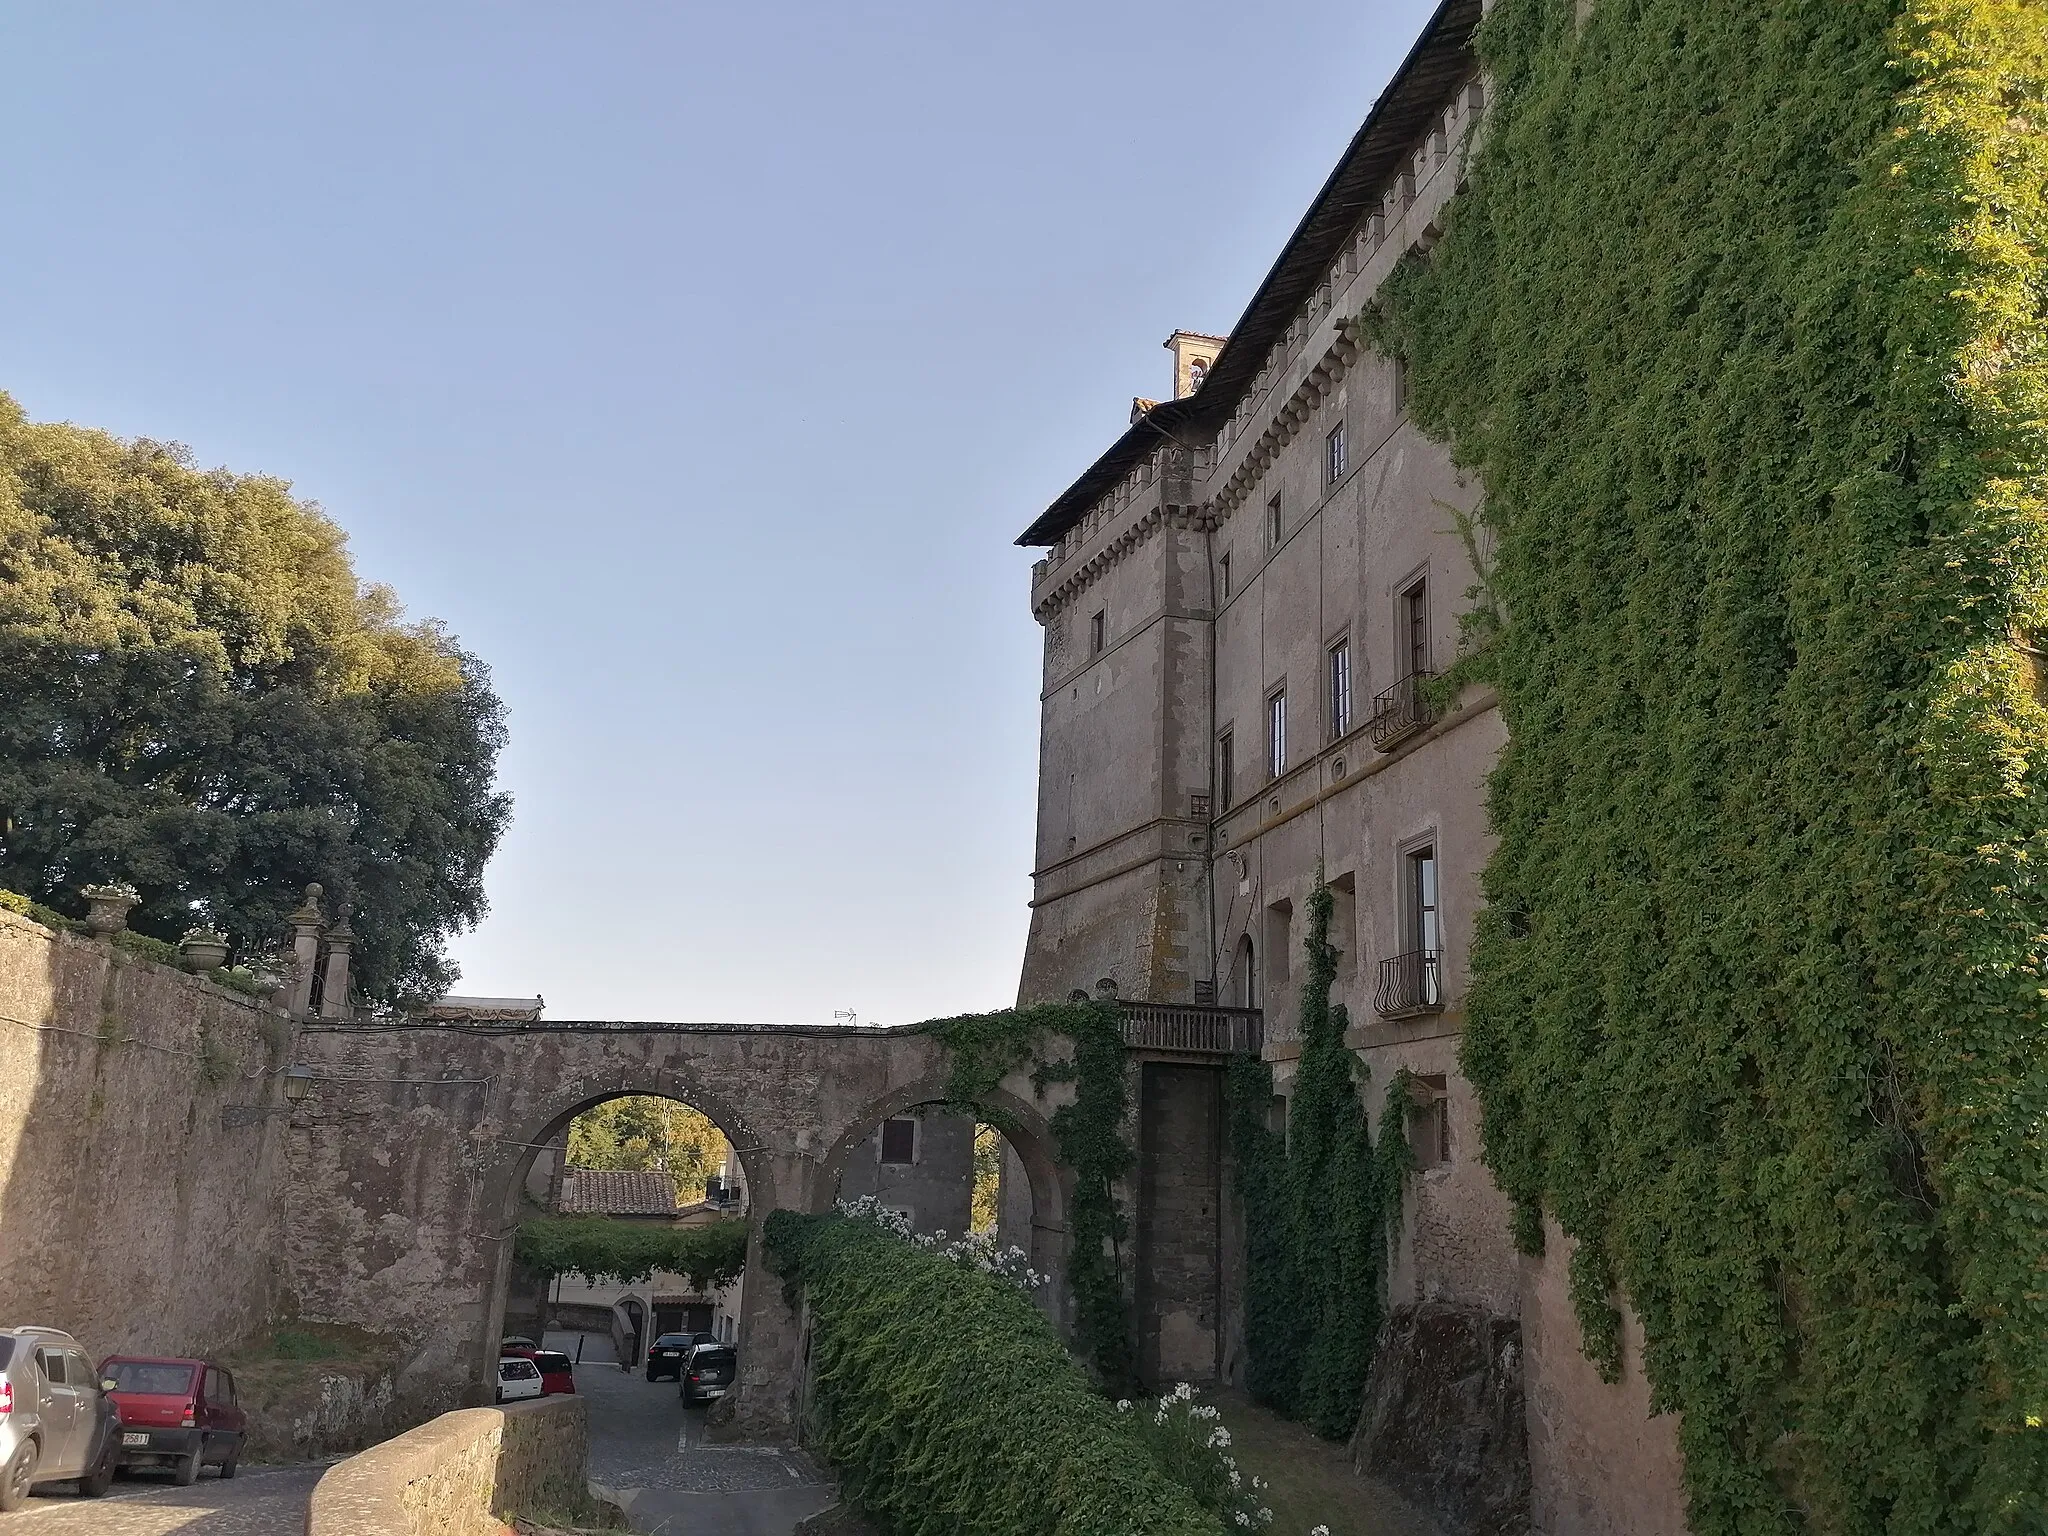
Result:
pixel 457 1475
pixel 141 1163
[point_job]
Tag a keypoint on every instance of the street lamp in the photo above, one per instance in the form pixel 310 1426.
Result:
pixel 298 1082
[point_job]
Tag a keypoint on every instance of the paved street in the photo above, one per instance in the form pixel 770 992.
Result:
pixel 649 1450
pixel 257 1501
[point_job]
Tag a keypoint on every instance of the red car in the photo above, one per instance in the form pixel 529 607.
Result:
pixel 176 1414
pixel 555 1368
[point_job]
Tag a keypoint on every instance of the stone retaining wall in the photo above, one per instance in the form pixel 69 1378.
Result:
pixel 460 1474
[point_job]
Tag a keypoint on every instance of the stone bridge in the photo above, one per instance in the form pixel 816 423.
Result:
pixel 409 1157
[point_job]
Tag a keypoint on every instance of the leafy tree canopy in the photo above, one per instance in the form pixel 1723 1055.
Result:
pixel 605 1248
pixel 641 1131
pixel 199 697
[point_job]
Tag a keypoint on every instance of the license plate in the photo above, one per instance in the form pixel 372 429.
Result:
pixel 135 1439
pixel 711 1391
pixel 668 1354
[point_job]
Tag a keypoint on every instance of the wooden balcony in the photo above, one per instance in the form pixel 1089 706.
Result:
pixel 1191 1030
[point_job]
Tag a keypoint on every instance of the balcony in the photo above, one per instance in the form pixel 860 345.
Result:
pixel 1410 984
pixel 1193 1030
pixel 1401 711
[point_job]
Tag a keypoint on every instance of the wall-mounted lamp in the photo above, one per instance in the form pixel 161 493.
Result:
pixel 298 1082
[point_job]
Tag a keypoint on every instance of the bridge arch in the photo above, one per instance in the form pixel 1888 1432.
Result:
pixel 643 1080
pixel 1025 1127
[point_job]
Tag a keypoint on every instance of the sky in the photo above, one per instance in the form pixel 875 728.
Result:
pixel 698 366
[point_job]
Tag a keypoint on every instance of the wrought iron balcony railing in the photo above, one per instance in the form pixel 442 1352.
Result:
pixel 1410 984
pixel 1400 711
pixel 1200 1030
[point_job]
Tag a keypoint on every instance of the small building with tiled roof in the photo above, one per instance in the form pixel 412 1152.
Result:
pixel 618 1192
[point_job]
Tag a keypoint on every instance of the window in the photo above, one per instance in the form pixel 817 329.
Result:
pixel 1429 1121
pixel 1226 769
pixel 1198 370
pixel 1400 387
pixel 899 1141
pixel 1336 457
pixel 1098 632
pixel 1415 624
pixel 1340 688
pixel 52 1362
pixel 1276 735
pixel 1423 932
pixel 1273 523
pixel 1223 577
pixel 1244 975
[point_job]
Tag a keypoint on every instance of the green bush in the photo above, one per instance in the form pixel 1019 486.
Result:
pixel 35 911
pixel 606 1248
pixel 1739 323
pixel 948 1405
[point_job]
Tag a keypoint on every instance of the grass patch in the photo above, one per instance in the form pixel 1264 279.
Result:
pixel 1310 1481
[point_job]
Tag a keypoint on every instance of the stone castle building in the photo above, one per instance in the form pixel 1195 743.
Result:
pixel 1241 597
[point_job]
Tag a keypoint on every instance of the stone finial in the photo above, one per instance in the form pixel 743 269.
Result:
pixel 108 907
pixel 309 912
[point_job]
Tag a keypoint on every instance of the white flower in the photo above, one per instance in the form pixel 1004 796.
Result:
pixel 1123 1405
pixel 1219 1437
pixel 1236 1477
pixel 1243 1519
pixel 1321 1530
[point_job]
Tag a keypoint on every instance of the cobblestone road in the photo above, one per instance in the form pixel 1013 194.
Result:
pixel 257 1501
pixel 649 1449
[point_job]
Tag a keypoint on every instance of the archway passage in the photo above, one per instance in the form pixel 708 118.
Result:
pixel 949 1170
pixel 632 1225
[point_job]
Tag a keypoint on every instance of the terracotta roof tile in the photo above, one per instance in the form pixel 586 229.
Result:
pixel 611 1192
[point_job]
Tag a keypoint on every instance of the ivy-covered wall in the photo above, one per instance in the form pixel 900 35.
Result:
pixel 1740 324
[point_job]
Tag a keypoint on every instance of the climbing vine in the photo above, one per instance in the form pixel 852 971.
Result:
pixel 606 1248
pixel 1089 1134
pixel 1318 1204
pixel 1739 323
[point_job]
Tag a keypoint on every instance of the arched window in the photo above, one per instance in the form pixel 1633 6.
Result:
pixel 1244 975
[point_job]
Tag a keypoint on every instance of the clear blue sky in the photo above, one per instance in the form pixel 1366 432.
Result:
pixel 697 364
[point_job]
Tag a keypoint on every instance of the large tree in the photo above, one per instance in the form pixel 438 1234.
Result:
pixel 198 696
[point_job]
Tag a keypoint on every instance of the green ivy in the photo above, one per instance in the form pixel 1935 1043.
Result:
pixel 1089 1137
pixel 35 911
pixel 606 1248
pixel 1739 323
pixel 1318 1206
pixel 948 1405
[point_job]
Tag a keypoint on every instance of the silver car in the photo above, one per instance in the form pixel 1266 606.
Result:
pixel 55 1421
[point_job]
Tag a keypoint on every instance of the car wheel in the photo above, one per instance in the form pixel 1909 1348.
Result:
pixel 227 1468
pixel 19 1478
pixel 186 1472
pixel 650 1374
pixel 95 1483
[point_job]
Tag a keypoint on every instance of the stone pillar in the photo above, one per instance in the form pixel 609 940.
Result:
pixel 341 940
pixel 770 1331
pixel 305 950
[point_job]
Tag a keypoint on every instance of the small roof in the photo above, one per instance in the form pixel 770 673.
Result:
pixel 617 1192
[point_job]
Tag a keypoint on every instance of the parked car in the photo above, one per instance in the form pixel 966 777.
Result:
pixel 518 1377
pixel 711 1372
pixel 557 1371
pixel 665 1356
pixel 55 1421
pixel 513 1343
pixel 177 1414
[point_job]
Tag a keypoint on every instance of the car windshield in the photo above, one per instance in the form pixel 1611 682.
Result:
pixel 674 1340
pixel 712 1358
pixel 548 1361
pixel 145 1376
pixel 6 1352
pixel 517 1370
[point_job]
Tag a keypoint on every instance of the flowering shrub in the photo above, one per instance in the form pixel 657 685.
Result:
pixel 972 1250
pixel 1188 1439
